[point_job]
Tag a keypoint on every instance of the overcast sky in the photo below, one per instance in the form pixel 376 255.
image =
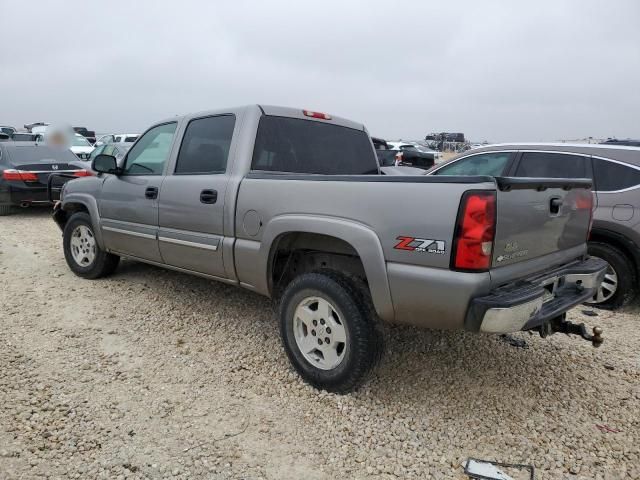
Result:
pixel 501 71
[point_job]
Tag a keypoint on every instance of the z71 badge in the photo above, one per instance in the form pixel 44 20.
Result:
pixel 427 245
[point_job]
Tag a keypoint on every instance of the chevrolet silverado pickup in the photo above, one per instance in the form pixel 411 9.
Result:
pixel 292 204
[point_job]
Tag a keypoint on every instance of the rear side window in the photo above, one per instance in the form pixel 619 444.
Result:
pixel 492 164
pixel 304 146
pixel 611 176
pixel 205 146
pixel 552 165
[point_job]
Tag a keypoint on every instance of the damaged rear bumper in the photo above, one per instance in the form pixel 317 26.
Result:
pixel 528 304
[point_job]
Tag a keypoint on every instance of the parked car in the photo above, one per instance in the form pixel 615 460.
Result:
pixel 80 146
pixel 4 137
pixel 411 155
pixel 129 138
pixel 7 130
pixel 117 150
pixel 25 168
pixel 615 172
pixel 291 204
pixel 37 127
pixel 90 135
pixel 26 137
pixel 627 143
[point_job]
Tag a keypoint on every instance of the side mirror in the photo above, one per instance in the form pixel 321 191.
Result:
pixel 105 164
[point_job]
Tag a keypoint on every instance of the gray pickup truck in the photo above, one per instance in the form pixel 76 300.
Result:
pixel 292 204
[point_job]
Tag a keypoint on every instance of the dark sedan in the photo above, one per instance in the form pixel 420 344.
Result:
pixel 25 168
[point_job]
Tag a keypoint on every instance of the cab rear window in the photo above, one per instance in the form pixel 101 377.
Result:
pixel 304 146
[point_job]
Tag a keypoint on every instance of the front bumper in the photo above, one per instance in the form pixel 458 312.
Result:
pixel 529 304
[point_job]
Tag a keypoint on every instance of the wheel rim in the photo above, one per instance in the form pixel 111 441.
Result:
pixel 83 246
pixel 319 332
pixel 607 288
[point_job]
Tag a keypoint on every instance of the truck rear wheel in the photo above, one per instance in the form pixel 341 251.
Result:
pixel 328 331
pixel 82 252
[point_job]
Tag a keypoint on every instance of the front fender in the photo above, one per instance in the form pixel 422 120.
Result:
pixel 89 202
pixel 359 236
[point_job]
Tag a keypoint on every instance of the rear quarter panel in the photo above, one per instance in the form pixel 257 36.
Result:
pixel 422 288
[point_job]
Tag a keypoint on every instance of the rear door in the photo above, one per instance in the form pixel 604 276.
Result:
pixel 541 218
pixel 192 197
pixel 129 202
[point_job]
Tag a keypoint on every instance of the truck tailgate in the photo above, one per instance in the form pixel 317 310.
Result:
pixel 537 217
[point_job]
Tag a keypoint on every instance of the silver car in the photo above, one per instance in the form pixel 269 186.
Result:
pixel 615 171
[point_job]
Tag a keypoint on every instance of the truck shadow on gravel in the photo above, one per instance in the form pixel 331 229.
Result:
pixel 418 364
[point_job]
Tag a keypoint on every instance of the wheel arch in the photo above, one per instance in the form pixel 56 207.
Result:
pixel 621 242
pixel 331 236
pixel 74 203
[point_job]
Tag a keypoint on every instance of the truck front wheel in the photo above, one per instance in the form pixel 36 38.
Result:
pixel 329 331
pixel 82 252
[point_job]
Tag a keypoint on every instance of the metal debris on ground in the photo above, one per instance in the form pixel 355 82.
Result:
pixel 487 470
pixel 607 429
pixel 513 341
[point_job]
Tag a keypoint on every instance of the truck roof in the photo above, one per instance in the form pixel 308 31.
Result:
pixel 275 111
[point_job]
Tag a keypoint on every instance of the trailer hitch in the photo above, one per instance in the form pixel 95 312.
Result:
pixel 562 325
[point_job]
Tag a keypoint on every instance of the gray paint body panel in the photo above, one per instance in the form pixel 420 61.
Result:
pixel 232 240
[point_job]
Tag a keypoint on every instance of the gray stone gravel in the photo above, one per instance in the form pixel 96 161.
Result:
pixel 155 374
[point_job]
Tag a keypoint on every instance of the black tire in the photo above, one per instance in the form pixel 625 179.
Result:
pixel 103 264
pixel 5 210
pixel 364 344
pixel 623 268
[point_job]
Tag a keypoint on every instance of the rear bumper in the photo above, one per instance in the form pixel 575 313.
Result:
pixel 18 193
pixel 528 304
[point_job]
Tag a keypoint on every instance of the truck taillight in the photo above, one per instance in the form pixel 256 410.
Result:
pixel 586 203
pixel 19 175
pixel 321 116
pixel 82 173
pixel 475 231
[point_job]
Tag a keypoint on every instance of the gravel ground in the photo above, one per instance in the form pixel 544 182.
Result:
pixel 155 374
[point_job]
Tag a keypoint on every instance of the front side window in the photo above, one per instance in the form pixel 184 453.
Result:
pixel 205 146
pixel 492 164
pixel 149 155
pixel 611 176
pixel 304 146
pixel 552 165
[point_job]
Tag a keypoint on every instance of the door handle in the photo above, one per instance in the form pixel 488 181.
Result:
pixel 554 205
pixel 209 196
pixel 151 192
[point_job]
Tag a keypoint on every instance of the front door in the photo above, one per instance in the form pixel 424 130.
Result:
pixel 129 202
pixel 192 198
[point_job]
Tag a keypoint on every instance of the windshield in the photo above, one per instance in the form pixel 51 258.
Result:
pixel 79 141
